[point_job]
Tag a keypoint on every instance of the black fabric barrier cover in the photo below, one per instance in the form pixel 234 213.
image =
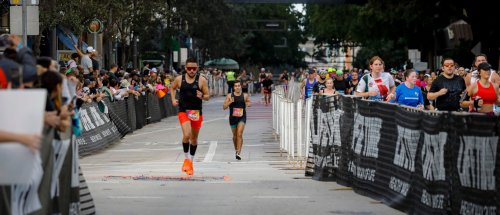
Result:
pixel 97 130
pixel 140 112
pixel 415 161
pixel 153 108
pixel 131 115
pixel 475 164
pixel 163 107
pixel 431 181
pixel 118 114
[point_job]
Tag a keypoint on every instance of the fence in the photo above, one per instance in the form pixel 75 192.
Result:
pixel 418 162
pixel 61 188
pixel 290 119
pixel 217 86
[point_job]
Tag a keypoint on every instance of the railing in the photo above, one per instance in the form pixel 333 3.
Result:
pixel 291 118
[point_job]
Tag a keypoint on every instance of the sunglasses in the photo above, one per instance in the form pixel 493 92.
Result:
pixel 191 68
pixel 449 65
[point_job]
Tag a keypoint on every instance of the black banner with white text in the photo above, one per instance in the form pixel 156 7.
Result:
pixel 418 162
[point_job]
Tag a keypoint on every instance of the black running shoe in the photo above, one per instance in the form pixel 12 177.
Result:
pixel 238 157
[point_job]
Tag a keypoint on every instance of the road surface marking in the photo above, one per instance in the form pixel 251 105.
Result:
pixel 280 197
pixel 135 197
pixel 211 152
pixel 174 128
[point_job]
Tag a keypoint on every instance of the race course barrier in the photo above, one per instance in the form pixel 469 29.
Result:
pixel 419 162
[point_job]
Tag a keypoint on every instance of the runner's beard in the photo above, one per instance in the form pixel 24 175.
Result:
pixel 191 76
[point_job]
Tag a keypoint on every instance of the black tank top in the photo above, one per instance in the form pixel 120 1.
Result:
pixel 187 95
pixel 238 105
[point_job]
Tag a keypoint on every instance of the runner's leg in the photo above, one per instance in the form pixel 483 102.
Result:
pixel 240 128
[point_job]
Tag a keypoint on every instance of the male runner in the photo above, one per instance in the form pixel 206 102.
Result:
pixel 192 90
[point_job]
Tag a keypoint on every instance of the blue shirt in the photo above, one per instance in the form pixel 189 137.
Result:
pixel 409 96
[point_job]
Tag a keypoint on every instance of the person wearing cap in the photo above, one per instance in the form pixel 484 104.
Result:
pixel 95 63
pixel 320 82
pixel 308 84
pixel 342 86
pixel 483 92
pixel 474 75
pixel 447 89
pixel 86 61
pixel 284 78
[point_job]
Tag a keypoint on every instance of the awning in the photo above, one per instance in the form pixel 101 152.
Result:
pixel 68 38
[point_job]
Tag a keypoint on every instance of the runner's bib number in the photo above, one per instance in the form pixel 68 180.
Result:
pixel 193 115
pixel 237 112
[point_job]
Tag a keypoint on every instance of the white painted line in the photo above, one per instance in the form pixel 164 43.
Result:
pixel 174 128
pixel 135 197
pixel 280 197
pixel 143 150
pixel 211 152
pixel 252 145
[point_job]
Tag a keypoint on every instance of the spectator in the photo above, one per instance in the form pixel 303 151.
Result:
pixel 73 62
pixel 408 93
pixel 342 86
pixel 483 92
pixel 377 85
pixel 86 61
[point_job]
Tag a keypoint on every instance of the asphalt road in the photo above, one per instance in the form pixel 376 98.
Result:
pixel 142 173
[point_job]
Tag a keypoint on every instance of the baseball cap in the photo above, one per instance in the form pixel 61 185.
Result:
pixel 340 72
pixel 484 66
pixel 323 72
pixel 124 83
pixel 427 75
pixel 90 49
pixel 262 69
pixel 153 70
pixel 330 70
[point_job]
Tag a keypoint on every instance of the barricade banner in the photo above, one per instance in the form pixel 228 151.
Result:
pixel 140 112
pixel 475 164
pixel 131 115
pixel 154 108
pixel 163 106
pixel 325 137
pixel 118 114
pixel 431 181
pixel 415 161
pixel 98 130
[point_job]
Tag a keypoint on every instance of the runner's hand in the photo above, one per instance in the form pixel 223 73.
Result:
pixel 175 102
pixel 443 91
pixel 199 94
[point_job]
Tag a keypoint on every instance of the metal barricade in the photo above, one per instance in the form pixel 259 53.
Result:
pixel 291 120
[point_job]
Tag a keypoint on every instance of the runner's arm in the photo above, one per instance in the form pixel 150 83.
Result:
pixel 227 102
pixel 204 89
pixel 173 90
pixel 247 101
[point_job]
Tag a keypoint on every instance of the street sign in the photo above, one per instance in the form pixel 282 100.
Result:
pixel 16 20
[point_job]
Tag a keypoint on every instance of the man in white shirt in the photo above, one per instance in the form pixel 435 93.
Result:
pixel 87 62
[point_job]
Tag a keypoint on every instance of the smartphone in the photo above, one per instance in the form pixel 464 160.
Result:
pixel 17 74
